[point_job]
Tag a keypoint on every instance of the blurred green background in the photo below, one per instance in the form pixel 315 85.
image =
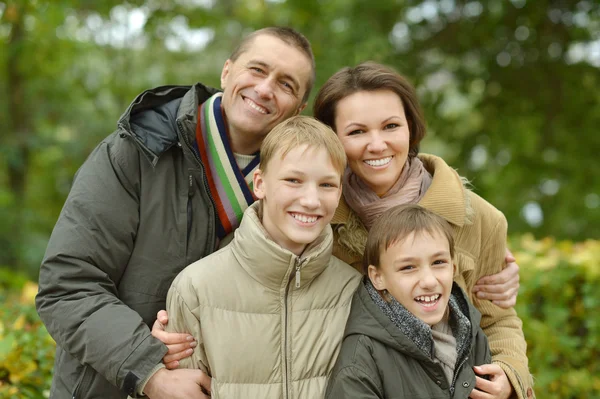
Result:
pixel 510 91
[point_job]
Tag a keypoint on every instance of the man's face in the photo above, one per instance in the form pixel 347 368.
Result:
pixel 418 272
pixel 299 196
pixel 262 88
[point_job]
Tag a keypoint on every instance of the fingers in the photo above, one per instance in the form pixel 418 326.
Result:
pixel 168 338
pixel 509 257
pixel 493 370
pixel 162 316
pixel 509 273
pixel 180 354
pixel 171 365
pixel 509 303
pixel 479 392
pixel 204 380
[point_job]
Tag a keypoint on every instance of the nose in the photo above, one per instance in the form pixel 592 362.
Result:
pixel 428 281
pixel 264 88
pixel 310 197
pixel 377 143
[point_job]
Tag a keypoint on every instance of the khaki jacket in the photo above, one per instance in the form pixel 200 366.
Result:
pixel 480 241
pixel 269 324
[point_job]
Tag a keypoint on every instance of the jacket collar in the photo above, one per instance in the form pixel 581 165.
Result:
pixel 368 319
pixel 446 196
pixel 272 265
pixel 153 116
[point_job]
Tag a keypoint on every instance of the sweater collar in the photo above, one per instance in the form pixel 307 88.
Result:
pixel 446 196
pixel 270 264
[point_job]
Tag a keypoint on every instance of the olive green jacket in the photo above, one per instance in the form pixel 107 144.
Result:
pixel 138 213
pixel 379 361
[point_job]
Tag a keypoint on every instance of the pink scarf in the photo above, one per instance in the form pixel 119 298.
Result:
pixel 409 189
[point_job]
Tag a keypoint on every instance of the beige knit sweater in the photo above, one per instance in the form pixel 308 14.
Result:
pixel 480 239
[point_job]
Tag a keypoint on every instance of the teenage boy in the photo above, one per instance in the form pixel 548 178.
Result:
pixel 269 309
pixel 156 195
pixel 412 332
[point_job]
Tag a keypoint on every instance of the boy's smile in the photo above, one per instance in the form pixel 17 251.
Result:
pixel 300 193
pixel 418 273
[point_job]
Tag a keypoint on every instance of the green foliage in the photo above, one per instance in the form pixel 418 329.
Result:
pixel 26 349
pixel 558 303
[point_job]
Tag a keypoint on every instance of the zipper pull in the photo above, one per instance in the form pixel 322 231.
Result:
pixel 298 275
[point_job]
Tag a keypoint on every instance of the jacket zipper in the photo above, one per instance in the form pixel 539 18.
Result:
pixel 206 188
pixel 456 371
pixel 287 380
pixel 80 382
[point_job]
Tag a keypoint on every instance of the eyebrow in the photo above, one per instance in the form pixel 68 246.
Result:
pixel 285 75
pixel 301 173
pixel 351 124
pixel 412 258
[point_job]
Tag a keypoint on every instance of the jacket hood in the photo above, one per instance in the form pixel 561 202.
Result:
pixel 269 263
pixel 152 118
pixel 366 318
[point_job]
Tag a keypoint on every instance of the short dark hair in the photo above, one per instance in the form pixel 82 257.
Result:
pixel 371 76
pixel 290 37
pixel 397 223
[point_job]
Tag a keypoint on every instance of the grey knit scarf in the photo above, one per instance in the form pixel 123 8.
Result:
pixel 419 332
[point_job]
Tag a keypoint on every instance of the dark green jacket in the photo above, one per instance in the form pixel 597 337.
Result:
pixel 377 360
pixel 138 213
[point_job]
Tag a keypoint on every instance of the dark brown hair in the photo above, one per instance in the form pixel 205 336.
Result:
pixel 289 36
pixel 397 223
pixel 370 76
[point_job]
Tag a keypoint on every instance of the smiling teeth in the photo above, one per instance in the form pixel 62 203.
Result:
pixel 255 106
pixel 378 162
pixel 304 218
pixel 428 299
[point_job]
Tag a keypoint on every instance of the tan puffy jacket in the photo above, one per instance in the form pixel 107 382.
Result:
pixel 269 324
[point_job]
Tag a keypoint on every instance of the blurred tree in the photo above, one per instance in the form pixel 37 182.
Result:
pixel 508 89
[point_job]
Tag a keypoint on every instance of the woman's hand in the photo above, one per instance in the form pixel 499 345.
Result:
pixel 496 387
pixel 500 288
pixel 181 345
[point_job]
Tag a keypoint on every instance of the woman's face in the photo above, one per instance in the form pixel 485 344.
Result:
pixel 374 131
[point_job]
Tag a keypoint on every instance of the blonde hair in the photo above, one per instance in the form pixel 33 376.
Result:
pixel 302 130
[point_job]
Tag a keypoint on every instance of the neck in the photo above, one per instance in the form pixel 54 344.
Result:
pixel 242 143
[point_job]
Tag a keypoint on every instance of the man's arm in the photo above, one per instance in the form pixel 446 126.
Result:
pixel 86 256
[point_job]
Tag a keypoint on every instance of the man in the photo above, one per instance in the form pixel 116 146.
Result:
pixel 159 193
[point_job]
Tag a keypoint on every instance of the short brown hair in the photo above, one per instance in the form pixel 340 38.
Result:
pixel 370 76
pixel 302 130
pixel 397 223
pixel 289 36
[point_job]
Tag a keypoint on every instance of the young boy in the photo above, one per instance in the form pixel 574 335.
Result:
pixel 269 309
pixel 412 332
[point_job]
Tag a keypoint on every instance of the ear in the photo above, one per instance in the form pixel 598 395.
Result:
pixel 225 73
pixel 453 269
pixel 376 278
pixel 301 108
pixel 259 184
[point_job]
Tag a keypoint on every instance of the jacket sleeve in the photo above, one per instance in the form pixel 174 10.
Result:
pixel 183 320
pixel 351 382
pixel 503 327
pixel 87 254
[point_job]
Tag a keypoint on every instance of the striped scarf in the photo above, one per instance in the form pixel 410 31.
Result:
pixel 230 187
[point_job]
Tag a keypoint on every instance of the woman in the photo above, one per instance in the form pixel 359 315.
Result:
pixel 376 115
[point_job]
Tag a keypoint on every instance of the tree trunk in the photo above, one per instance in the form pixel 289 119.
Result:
pixel 17 133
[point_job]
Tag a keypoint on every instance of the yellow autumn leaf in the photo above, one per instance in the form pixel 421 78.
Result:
pixel 28 293
pixel 19 323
